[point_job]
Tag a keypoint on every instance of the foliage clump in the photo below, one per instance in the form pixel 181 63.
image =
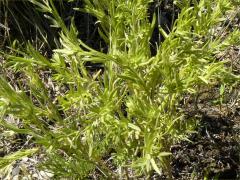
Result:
pixel 131 109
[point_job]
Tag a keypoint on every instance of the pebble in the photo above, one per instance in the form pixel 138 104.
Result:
pixel 15 171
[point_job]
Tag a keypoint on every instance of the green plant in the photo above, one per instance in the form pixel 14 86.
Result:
pixel 22 21
pixel 131 110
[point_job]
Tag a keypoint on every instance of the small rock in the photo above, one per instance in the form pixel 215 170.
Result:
pixel 15 178
pixel 35 175
pixel 15 171
pixel 25 159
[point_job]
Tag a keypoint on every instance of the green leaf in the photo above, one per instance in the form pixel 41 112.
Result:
pixel 222 89
pixel 11 158
pixel 203 79
pixel 134 127
pixel 155 167
pixel 162 154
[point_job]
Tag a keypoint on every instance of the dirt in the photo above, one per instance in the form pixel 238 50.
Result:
pixel 213 152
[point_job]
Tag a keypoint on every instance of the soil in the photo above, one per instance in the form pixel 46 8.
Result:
pixel 214 150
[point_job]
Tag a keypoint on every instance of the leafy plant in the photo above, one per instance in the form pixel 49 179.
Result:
pixel 130 110
pixel 10 159
pixel 20 20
